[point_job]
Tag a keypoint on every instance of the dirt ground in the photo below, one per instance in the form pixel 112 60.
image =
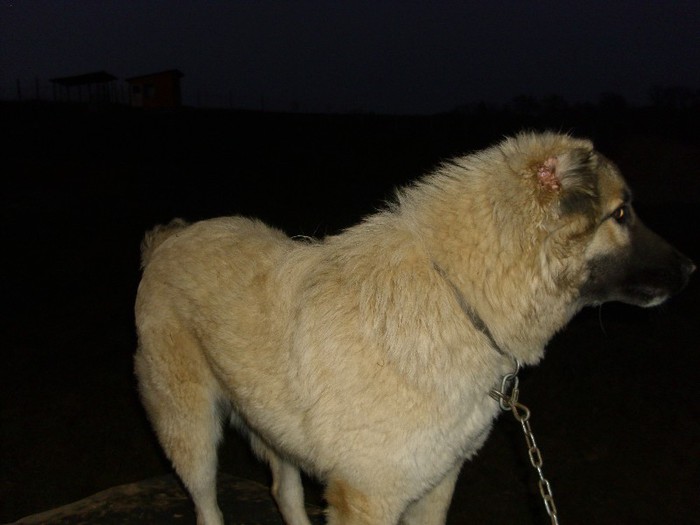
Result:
pixel 614 405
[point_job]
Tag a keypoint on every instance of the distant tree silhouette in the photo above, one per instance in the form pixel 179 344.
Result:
pixel 554 104
pixel 526 105
pixel 609 101
pixel 674 97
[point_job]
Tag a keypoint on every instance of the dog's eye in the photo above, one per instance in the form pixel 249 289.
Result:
pixel 621 214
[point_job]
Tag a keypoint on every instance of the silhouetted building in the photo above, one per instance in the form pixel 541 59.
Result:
pixel 90 87
pixel 157 90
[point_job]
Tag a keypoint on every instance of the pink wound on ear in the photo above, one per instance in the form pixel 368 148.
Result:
pixel 547 175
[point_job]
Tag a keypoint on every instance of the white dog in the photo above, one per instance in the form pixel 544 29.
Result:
pixel 367 359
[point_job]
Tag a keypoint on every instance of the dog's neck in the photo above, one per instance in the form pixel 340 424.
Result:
pixel 474 317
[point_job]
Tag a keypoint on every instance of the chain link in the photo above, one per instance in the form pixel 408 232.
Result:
pixel 507 398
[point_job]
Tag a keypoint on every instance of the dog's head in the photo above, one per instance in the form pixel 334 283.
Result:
pixel 589 205
pixel 628 262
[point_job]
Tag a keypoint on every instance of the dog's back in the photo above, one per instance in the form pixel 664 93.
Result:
pixel 157 236
pixel 207 278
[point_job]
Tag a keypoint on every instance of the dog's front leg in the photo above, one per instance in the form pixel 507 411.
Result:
pixel 349 506
pixel 432 507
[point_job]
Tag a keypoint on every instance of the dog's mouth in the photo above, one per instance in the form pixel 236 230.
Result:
pixel 646 296
pixel 656 286
pixel 642 296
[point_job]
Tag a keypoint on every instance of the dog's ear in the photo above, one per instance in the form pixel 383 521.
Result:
pixel 569 178
pixel 567 170
pixel 548 176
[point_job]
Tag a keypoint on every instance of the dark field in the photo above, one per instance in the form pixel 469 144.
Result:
pixel 615 403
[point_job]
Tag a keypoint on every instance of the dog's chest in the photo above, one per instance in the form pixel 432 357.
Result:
pixel 470 431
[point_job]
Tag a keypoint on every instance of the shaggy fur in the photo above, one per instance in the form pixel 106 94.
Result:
pixel 367 358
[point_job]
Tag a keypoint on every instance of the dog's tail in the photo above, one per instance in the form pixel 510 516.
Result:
pixel 156 236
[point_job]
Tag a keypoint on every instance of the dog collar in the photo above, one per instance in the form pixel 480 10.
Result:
pixel 473 316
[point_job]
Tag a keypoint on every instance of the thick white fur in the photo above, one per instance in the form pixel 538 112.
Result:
pixel 357 357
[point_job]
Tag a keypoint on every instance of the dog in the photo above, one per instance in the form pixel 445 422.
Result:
pixel 367 359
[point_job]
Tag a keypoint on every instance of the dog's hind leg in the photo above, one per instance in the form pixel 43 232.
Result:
pixel 181 397
pixel 287 488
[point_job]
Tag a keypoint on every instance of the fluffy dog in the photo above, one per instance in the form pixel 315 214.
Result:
pixel 367 359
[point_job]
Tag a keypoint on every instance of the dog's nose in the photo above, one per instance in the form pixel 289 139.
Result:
pixel 684 268
pixel 688 266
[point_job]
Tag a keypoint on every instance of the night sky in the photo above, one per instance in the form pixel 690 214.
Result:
pixel 377 56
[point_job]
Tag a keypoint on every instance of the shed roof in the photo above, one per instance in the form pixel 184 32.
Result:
pixel 175 72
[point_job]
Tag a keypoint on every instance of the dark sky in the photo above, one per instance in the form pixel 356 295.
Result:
pixel 378 56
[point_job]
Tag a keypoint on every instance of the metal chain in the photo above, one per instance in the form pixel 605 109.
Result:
pixel 507 398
